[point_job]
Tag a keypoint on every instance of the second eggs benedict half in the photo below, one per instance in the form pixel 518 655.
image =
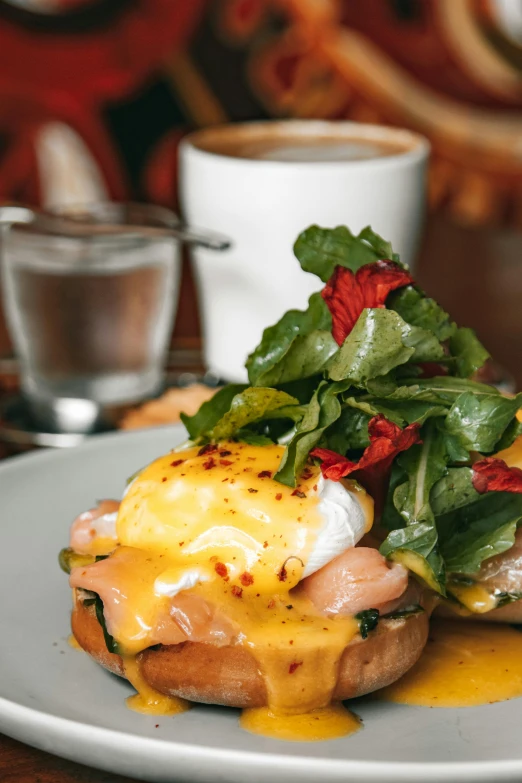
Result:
pixel 215 583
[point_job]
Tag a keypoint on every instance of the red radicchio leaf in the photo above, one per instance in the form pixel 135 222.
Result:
pixel 493 475
pixel 347 294
pixel 386 441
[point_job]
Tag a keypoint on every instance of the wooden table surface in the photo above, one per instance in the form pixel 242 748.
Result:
pixel 477 276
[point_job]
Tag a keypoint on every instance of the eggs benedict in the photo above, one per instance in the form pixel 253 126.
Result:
pixel 215 583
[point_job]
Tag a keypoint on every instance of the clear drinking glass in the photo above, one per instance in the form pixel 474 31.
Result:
pixel 90 311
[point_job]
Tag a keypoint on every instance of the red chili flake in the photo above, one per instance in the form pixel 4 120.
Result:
pixel 237 591
pixel 163 479
pixel 278 496
pixel 271 603
pixel 298 494
pixel 225 462
pixel 209 463
pixel 246 470
pixel 265 474
pixel 225 453
pixel 306 474
pixel 493 475
pixel 282 575
pixel 315 487
pixel 294 666
pixel 210 448
pixel 347 294
pixel 221 569
pixel 232 481
pixel 291 641
pixel 181 543
pixel 251 489
pixel 223 480
pixel 290 606
pixel 246 579
pixel 265 544
pixel 226 500
pixel 176 463
pixel 386 441
pixel 156 725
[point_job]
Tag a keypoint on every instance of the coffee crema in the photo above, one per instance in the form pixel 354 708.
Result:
pixel 298 148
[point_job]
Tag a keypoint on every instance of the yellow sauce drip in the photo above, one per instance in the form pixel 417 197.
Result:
pixel 72 642
pixel 474 598
pixel 147 700
pixel 325 723
pixel 463 665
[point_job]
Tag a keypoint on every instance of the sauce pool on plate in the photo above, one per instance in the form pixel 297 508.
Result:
pixel 464 664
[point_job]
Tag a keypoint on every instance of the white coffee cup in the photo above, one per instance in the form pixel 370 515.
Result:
pixel 263 183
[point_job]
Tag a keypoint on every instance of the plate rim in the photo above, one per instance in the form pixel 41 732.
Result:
pixel 45 724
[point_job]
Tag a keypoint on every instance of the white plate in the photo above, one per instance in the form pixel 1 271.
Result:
pixel 57 699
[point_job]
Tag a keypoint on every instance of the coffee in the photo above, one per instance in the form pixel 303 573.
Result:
pixel 277 145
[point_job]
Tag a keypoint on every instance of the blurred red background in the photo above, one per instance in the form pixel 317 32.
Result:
pixel 104 89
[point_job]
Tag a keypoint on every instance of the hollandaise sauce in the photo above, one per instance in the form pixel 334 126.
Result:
pixel 147 700
pixel 211 527
pixel 323 723
pixel 464 664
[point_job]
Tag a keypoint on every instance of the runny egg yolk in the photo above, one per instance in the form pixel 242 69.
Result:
pixel 213 523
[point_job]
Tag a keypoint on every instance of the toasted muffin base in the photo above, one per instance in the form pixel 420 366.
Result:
pixel 230 675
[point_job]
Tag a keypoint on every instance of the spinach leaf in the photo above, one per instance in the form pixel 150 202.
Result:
pixel 252 438
pixel 453 491
pixel 322 411
pixel 478 422
pixel 296 347
pixel 469 353
pixel 320 250
pixel 248 406
pixel 379 342
pixel 110 643
pixel 201 424
pixel 368 621
pixel 419 310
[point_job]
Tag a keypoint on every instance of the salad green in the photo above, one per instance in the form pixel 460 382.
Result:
pixel 400 360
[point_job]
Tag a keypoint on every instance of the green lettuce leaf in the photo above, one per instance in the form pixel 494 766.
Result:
pixel 297 346
pixel 202 423
pixel 322 411
pixel 470 355
pixel 478 422
pixel 250 405
pixel 320 250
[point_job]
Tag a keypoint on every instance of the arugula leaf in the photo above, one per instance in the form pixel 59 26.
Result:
pixel 323 410
pixel 478 422
pixel 390 518
pixel 368 621
pixel 373 348
pixel 416 547
pixel 469 353
pixel 297 346
pixel 379 342
pixel 511 433
pixel 350 431
pixel 423 464
pixel 250 405
pixel 447 387
pixel 401 413
pixel 252 438
pixel 200 425
pixel 419 310
pixel 453 491
pixel 477 531
pixel 320 250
